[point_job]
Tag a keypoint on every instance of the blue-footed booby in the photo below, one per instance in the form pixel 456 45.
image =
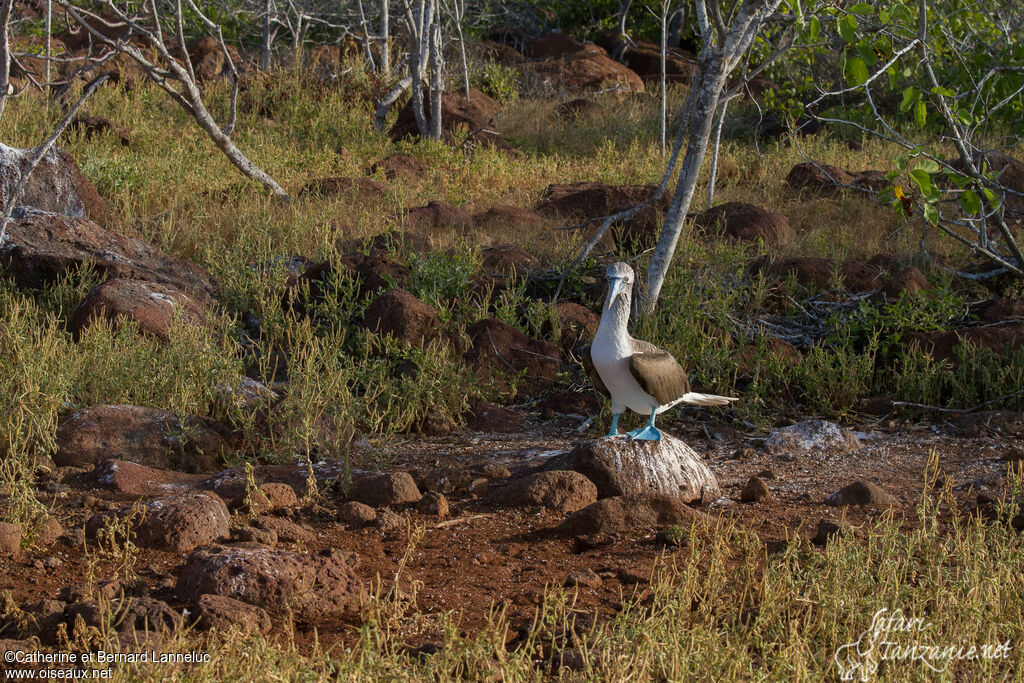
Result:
pixel 634 373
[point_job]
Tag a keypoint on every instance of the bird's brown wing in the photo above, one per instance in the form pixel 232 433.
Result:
pixel 588 365
pixel 658 373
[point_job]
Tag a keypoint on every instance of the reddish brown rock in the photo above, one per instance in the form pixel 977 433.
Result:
pixel 458 115
pixel 489 417
pixel 374 272
pixel 285 530
pixel 861 492
pixel 55 186
pixel 587 71
pixel 91 126
pixel 500 54
pixel 826 179
pixel 356 514
pixel 507 260
pixel 624 513
pixel 399 314
pixel 570 403
pixel 274 495
pixel 561 490
pixel 312 587
pixel 220 613
pixel 1002 339
pixel 583 201
pixel 149 436
pixel 765 347
pixel 754 491
pixel 907 281
pixel 552 46
pixel 41 247
pixel 124 614
pixel 10 539
pixel 355 189
pixel 500 348
pixel 504 219
pixel 390 488
pixel 150 306
pixel 577 324
pixel 997 310
pixel 131 478
pixel 210 62
pixel 745 223
pixel 822 274
pixel 437 217
pixel 433 503
pixel 400 167
pixel 175 523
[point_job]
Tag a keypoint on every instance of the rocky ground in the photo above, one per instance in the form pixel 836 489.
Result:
pixel 463 524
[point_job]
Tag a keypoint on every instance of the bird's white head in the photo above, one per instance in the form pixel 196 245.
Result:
pixel 620 282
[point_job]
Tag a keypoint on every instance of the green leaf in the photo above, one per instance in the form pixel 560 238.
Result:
pixel 991 197
pixel 928 166
pixel 910 97
pixel 937 90
pixel 856 71
pixel 970 202
pixel 931 214
pixel 922 179
pixel 862 8
pixel 964 117
pixel 847 26
pixel 901 162
pixel 920 114
pixel 814 28
pixel 959 179
pixel 867 54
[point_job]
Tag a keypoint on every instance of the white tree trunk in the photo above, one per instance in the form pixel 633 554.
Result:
pixel 385 37
pixel 5 52
pixel 436 81
pixel 701 124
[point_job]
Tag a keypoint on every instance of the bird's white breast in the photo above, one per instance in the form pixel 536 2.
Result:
pixel 610 354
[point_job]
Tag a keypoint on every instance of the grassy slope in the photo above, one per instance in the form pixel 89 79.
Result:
pixel 172 188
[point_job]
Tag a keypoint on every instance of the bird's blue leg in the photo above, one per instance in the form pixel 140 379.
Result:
pixel 648 432
pixel 614 430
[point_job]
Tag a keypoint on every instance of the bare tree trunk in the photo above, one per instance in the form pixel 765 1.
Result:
pixel 714 154
pixel 623 16
pixel 49 38
pixel 268 6
pixel 436 81
pixel 459 15
pixel 664 80
pixel 701 123
pixel 5 52
pixel 366 35
pixel 724 47
pixel 385 37
pixel 416 63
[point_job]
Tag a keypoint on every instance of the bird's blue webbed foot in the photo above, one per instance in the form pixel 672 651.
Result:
pixel 648 432
pixel 614 430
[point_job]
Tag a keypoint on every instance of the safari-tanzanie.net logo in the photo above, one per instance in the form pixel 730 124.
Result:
pixel 895 637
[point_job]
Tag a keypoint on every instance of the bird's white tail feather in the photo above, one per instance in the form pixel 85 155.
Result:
pixel 693 398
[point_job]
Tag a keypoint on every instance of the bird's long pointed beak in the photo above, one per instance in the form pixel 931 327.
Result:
pixel 615 287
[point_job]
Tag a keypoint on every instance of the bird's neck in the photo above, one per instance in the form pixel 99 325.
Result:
pixel 615 319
